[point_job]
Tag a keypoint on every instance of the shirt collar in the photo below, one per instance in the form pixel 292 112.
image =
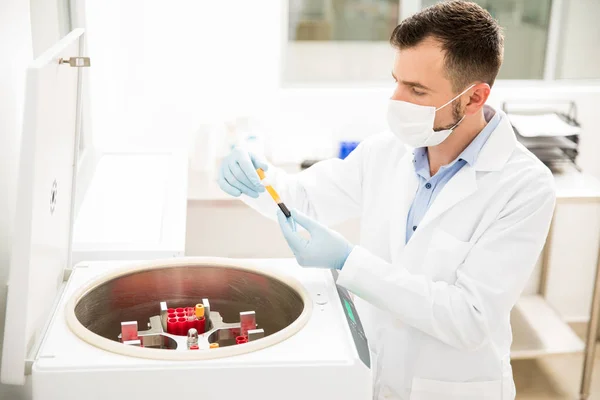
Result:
pixel 469 154
pixel 472 151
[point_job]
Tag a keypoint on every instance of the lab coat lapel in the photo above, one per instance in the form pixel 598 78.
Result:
pixel 493 157
pixel 403 193
pixel 462 185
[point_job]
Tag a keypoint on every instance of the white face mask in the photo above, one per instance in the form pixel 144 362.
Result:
pixel 413 124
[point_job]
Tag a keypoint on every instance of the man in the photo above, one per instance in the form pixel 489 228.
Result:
pixel 454 214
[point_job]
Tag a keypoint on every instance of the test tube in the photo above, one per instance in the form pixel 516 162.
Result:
pixel 180 326
pixel 191 313
pixel 200 325
pixel 274 195
pixel 192 338
pixel 172 326
pixel 199 311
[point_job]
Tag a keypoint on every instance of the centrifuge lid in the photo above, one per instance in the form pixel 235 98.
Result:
pixel 44 207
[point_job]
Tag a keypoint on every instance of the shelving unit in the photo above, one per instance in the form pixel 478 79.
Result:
pixel 538 330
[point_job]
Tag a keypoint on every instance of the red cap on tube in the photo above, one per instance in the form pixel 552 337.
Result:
pixel 240 340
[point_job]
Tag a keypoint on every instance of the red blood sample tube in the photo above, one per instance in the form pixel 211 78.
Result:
pixel 172 315
pixel 178 310
pixel 180 327
pixel 200 325
pixel 189 325
pixel 171 326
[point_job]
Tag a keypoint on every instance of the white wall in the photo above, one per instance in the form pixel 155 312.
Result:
pixel 15 44
pixel 161 68
pixel 49 23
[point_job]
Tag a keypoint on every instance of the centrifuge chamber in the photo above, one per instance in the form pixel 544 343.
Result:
pixel 63 324
pixel 313 345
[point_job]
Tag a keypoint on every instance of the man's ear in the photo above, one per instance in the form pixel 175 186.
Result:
pixel 478 95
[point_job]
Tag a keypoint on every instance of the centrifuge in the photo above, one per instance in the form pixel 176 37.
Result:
pixel 202 328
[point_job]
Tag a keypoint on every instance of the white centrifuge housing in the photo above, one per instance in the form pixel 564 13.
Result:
pixel 63 324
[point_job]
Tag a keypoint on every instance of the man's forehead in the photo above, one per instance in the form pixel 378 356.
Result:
pixel 422 63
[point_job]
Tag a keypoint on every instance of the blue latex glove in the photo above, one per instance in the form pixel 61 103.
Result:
pixel 237 174
pixel 325 248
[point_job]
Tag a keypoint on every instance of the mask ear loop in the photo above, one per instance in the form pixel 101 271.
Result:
pixel 456 97
pixel 458 123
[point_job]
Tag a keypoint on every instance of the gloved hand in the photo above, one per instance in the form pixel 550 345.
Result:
pixel 237 174
pixel 325 248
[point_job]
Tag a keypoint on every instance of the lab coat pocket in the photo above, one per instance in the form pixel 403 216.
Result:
pixel 425 389
pixel 444 255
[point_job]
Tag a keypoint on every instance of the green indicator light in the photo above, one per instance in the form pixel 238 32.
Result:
pixel 349 310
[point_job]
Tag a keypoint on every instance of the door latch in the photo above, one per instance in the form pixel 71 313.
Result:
pixel 76 61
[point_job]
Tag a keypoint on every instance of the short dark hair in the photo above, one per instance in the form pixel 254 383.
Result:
pixel 471 39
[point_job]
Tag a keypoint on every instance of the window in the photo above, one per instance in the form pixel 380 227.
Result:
pixel 339 40
pixel 526 27
pixel 342 20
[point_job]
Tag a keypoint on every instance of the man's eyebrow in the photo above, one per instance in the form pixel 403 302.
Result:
pixel 415 85
pixel 411 84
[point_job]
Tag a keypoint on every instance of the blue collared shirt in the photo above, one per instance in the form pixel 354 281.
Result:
pixel 430 187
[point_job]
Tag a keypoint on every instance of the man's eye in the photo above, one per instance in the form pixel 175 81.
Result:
pixel 417 93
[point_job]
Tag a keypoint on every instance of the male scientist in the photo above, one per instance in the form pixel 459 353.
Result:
pixel 454 214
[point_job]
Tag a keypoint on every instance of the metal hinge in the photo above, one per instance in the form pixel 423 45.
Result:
pixel 76 61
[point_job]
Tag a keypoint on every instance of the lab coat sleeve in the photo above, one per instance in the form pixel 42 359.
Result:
pixel 330 191
pixel 488 284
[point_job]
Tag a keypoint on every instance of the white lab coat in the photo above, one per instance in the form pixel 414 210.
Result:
pixel 436 311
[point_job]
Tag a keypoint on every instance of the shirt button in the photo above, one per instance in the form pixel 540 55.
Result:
pixel 414 228
pixel 428 186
